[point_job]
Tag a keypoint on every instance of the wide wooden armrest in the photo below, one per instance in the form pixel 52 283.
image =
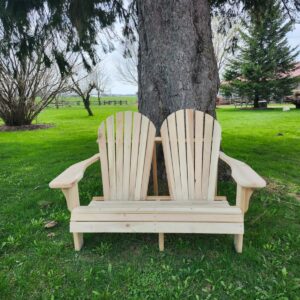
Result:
pixel 73 174
pixel 242 174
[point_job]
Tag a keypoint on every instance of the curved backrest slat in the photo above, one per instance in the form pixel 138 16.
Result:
pixel 126 143
pixel 191 144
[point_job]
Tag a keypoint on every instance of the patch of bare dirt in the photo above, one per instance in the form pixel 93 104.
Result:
pixel 25 127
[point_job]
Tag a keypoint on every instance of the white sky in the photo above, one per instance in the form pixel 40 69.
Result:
pixel 112 59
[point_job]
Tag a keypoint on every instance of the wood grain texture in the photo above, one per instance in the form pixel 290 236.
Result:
pixel 158 227
pixel 191 144
pixel 104 160
pixel 190 150
pixel 119 155
pixel 110 125
pixel 199 119
pixel 127 153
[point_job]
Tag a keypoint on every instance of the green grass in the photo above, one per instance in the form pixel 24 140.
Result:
pixel 129 266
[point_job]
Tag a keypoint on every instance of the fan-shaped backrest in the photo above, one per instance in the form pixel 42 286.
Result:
pixel 126 145
pixel 191 143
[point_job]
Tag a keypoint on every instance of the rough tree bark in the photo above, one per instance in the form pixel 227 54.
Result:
pixel 177 66
pixel 176 62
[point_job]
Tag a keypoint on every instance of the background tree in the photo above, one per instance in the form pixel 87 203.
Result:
pixel 224 40
pixel 177 68
pixel 83 85
pixel 101 81
pixel 262 68
pixel 27 87
pixel 127 67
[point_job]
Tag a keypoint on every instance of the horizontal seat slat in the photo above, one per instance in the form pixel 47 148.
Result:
pixel 81 216
pixel 160 198
pixel 159 204
pixel 161 209
pixel 157 211
pixel 156 227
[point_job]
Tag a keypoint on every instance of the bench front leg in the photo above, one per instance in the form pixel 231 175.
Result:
pixel 243 196
pixel 72 198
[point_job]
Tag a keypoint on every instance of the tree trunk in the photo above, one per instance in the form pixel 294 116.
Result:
pixel 256 99
pixel 176 63
pixel 177 66
pixel 86 102
pixel 99 102
pixel 297 102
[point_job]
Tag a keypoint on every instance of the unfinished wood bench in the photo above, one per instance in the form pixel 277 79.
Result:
pixel 191 142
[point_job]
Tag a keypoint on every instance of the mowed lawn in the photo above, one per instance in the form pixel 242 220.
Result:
pixel 39 263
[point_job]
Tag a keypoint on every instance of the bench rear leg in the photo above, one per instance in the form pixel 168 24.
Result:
pixel 161 241
pixel 238 242
pixel 78 240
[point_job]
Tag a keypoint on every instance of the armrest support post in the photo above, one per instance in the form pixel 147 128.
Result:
pixel 243 196
pixel 72 196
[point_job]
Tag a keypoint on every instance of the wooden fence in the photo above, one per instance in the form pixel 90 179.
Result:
pixel 69 103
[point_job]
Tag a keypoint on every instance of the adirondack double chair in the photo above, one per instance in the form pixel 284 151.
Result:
pixel 191 146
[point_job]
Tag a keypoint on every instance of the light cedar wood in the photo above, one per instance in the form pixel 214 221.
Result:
pixel 191 142
pixel 158 227
pixel 159 198
pixel 199 118
pixel 134 153
pixel 110 127
pixel 154 171
pixel 161 241
pixel 215 149
pixel 104 160
pixel 141 158
pixel 190 147
pixel 127 153
pixel 181 146
pixel 147 164
pixel 78 240
pixel 119 155
pixel 207 158
pixel 73 174
pixel 173 139
pixel 167 157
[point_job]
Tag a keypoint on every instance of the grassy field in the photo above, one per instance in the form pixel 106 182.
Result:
pixel 36 263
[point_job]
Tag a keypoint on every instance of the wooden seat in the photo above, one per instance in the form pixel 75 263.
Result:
pixel 126 142
pixel 156 211
pixel 191 146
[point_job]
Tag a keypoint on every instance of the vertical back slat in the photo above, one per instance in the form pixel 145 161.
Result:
pixel 189 117
pixel 134 153
pixel 168 159
pixel 119 155
pixel 182 153
pixel 208 132
pixel 174 154
pixel 104 162
pixel 147 164
pixel 127 153
pixel 215 149
pixel 191 144
pixel 111 156
pixel 141 157
pixel 199 116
